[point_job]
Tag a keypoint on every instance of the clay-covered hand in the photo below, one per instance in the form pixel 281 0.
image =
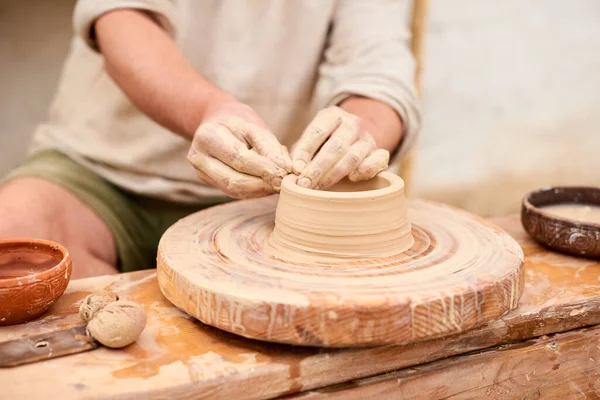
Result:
pixel 234 151
pixel 336 145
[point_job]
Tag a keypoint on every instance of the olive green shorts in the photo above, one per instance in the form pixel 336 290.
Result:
pixel 136 222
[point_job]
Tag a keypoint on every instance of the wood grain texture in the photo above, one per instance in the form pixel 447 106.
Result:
pixel 564 366
pixel 178 358
pixel 460 272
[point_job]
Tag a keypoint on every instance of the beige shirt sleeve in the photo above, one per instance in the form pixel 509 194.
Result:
pixel 369 55
pixel 86 13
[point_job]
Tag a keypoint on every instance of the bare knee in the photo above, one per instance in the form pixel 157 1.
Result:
pixel 28 210
pixel 33 207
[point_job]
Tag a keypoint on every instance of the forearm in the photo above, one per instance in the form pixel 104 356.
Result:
pixel 383 123
pixel 147 65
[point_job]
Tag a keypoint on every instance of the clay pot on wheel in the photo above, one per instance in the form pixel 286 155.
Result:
pixel 33 275
pixel 350 221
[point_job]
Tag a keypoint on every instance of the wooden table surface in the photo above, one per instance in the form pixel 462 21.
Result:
pixel 177 357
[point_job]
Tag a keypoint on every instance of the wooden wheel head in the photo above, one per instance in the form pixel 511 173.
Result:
pixel 460 272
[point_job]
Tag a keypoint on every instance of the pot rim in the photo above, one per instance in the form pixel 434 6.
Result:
pixel 59 268
pixel 396 185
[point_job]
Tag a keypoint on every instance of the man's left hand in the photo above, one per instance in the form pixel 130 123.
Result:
pixel 335 145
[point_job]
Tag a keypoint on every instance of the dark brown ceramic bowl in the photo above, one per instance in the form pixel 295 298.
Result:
pixel 33 275
pixel 568 236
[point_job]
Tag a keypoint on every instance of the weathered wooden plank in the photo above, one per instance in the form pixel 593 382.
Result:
pixel 563 366
pixel 35 348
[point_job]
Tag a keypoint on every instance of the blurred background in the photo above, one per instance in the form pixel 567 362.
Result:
pixel 511 94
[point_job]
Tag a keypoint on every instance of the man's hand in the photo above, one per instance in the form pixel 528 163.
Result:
pixel 234 151
pixel 335 145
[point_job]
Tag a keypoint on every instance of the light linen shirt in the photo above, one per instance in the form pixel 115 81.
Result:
pixel 284 58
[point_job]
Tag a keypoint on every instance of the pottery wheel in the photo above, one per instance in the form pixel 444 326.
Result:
pixel 461 272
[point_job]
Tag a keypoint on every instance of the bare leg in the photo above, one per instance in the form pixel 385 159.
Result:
pixel 36 208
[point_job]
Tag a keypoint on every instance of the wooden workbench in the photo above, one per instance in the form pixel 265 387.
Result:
pixel 520 356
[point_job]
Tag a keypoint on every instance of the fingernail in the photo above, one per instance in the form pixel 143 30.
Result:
pixel 299 166
pixel 304 182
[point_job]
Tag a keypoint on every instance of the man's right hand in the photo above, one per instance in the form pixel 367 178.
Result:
pixel 234 151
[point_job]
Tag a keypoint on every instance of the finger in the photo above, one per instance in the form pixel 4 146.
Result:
pixel 218 141
pixel 239 134
pixel 264 142
pixel 349 162
pixel 206 178
pixel 229 181
pixel 234 124
pixel 313 137
pixel 371 166
pixel 332 151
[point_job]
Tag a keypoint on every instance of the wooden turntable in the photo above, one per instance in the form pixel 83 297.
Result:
pixel 456 272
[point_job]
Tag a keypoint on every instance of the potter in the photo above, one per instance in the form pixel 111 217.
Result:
pixel 161 111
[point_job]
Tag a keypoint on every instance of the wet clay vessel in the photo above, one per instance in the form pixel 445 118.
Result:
pixel 566 235
pixel 33 275
pixel 349 221
pixel 356 266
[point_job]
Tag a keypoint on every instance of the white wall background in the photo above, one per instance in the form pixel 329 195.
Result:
pixel 34 39
pixel 511 99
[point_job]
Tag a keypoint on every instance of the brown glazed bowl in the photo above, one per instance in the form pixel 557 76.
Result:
pixel 33 275
pixel 567 236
